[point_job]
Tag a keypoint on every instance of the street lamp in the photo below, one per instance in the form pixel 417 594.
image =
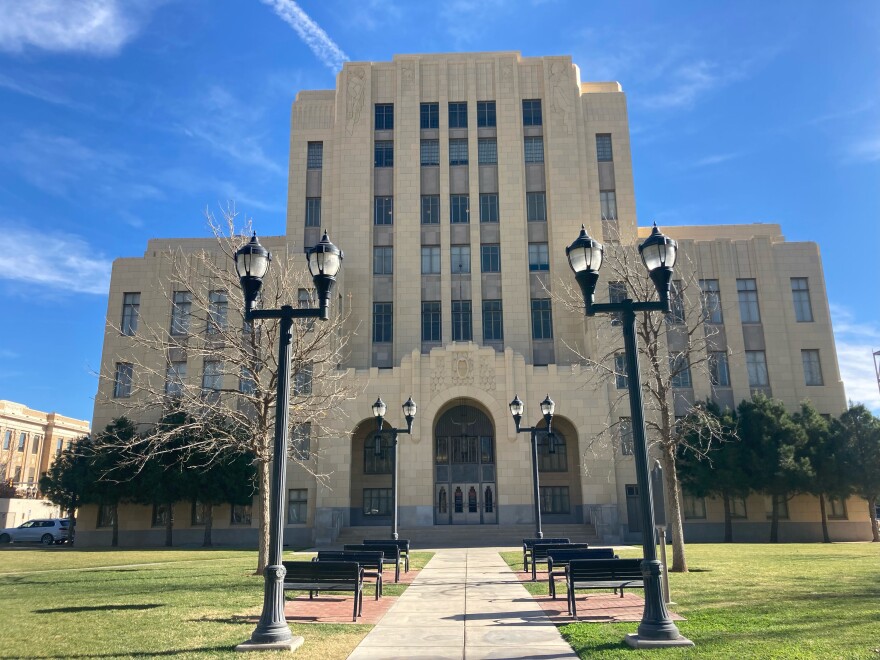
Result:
pixel 658 253
pixel 547 408
pixel 409 413
pixel 252 263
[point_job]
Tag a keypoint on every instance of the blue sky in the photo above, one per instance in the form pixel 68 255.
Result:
pixel 121 120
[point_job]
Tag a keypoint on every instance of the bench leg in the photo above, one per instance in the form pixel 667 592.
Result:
pixel 406 570
pixel 552 587
pixel 397 572
pixel 534 571
pixel 379 584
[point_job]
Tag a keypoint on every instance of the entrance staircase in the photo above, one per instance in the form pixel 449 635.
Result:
pixel 469 536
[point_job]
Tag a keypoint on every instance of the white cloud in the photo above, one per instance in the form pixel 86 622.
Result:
pixel 716 159
pixel 689 81
pixel 54 260
pixel 99 27
pixel 866 150
pixel 856 343
pixel 324 48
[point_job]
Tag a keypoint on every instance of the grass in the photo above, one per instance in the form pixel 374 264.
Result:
pixel 789 601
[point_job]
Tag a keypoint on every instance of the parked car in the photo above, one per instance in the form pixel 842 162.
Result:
pixel 44 530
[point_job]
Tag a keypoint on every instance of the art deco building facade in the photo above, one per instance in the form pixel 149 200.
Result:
pixel 453 183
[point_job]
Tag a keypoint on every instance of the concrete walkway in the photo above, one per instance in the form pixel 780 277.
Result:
pixel 465 604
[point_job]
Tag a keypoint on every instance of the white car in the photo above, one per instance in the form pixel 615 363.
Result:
pixel 44 530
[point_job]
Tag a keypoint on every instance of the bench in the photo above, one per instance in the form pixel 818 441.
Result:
pixel 390 549
pixel 558 560
pixel 371 562
pixel 540 550
pixel 602 574
pixel 316 576
pixel 403 544
pixel 529 543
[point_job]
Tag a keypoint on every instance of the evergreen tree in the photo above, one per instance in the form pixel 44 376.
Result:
pixel 857 432
pixel 69 479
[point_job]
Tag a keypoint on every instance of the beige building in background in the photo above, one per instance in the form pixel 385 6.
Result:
pixel 453 183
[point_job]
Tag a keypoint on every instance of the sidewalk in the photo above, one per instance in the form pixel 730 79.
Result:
pixel 465 604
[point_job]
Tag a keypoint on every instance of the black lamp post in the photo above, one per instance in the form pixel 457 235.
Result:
pixel 547 408
pixel 252 263
pixel 409 413
pixel 658 253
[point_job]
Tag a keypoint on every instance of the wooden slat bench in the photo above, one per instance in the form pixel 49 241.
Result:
pixel 602 574
pixel 403 544
pixel 390 549
pixel 529 543
pixel 558 560
pixel 317 576
pixel 540 550
pixel 371 562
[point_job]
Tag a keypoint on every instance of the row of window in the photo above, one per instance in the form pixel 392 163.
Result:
pixel 460 258
pixel 694 508
pixel 16 476
pixel 747 295
pixel 429 114
pixel 22 441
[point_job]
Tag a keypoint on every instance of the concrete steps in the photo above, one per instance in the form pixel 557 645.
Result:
pixel 468 536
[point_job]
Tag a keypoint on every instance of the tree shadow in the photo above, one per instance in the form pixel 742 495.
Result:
pixel 96 608
pixel 135 654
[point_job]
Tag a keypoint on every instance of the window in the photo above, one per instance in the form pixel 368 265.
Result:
pixel 22 439
pixel 106 515
pixel 302 379
pixel 603 147
pixel 812 367
pixel 383 210
pixel 620 371
pixel 131 303
pixel 175 372
pixel 488 207
pixel 536 207
pixel 711 300
pixel 676 304
pixel 122 380
pixel 218 306
pixel 542 319
pixel 460 258
pixel 756 365
pixel 384 153
pixel 608 200
pixel 493 328
pixel 458 151
pixel 837 508
pixel 430 209
pixel 384 116
pixel 429 114
pixel 747 291
pixel 247 384
pixel 459 209
pixel 199 514
pixel 462 326
pixel 458 115
pixel 487 151
pixel 315 157
pixel 800 293
pixel 554 499
pixel 539 257
pixel 485 114
pixel 383 260
pixel 532 112
pixel 297 505
pixel 7 439
pixel 555 461
pixel 241 514
pixel 59 446
pixel 383 320
pixel 429 153
pixel 431 321
pixel 313 211
pixel 163 514
pixel 304 299
pixel 377 501
pixel 301 440
pixel 181 310
pixel 680 371
pixel 719 371
pixel 212 376
pixel 616 294
pixel 490 258
pixel 534 149
pixel 625 435
pixel 430 259
pixel 738 507
pixel 381 463
pixel 781 506
pixel 694 507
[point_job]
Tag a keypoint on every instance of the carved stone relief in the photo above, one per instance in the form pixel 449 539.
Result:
pixel 354 101
pixel 562 102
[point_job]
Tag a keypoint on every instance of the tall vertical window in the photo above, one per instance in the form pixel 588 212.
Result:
pixel 485 114
pixel 383 210
pixel 711 300
pixel 800 293
pixel 7 439
pixel 212 376
pixel 719 370
pixel 297 506
pixel 487 151
pixel 430 259
pixel 462 323
pixel 430 209
pixel 301 440
pixel 383 260
pixel 493 325
pixel 459 209
pixel 218 308
pixel 555 499
pixel 181 312
pixel 488 207
pixel 35 444
pixel 747 290
pixel 302 379
pixel 458 151
pixel 608 200
pixel 625 435
pixel 175 373
pixel 676 303
pixel 756 365
pixel 616 294
pixel 431 321
pixel 59 446
pixel 22 439
pixel 458 115
pixel 812 367
pixel 315 156
pixel 460 258
pixel 313 211
pixel 247 382
pixel 131 304
pixel 542 319
pixel 384 153
pixel 620 371
pixel 539 257
pixel 603 147
pixel 384 116
pixel 383 323
pixel 490 258
pixel 429 115
pixel 536 206
pixel 429 154
pixel 680 371
pixel 122 380
pixel 532 112
pixel 534 149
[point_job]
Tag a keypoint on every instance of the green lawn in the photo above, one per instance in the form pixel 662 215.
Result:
pixel 758 601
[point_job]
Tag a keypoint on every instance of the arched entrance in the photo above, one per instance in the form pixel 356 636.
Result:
pixel 464 468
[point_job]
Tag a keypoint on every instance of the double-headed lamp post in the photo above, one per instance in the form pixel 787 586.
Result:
pixel 252 263
pixel 547 408
pixel 658 253
pixel 409 413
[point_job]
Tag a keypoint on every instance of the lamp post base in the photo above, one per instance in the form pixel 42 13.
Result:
pixel 288 645
pixel 637 642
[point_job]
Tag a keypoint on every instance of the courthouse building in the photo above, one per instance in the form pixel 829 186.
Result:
pixel 454 182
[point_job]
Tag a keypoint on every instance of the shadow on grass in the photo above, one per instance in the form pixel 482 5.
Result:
pixel 136 654
pixel 96 608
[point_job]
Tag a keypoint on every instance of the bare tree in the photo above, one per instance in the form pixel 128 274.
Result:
pixel 206 361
